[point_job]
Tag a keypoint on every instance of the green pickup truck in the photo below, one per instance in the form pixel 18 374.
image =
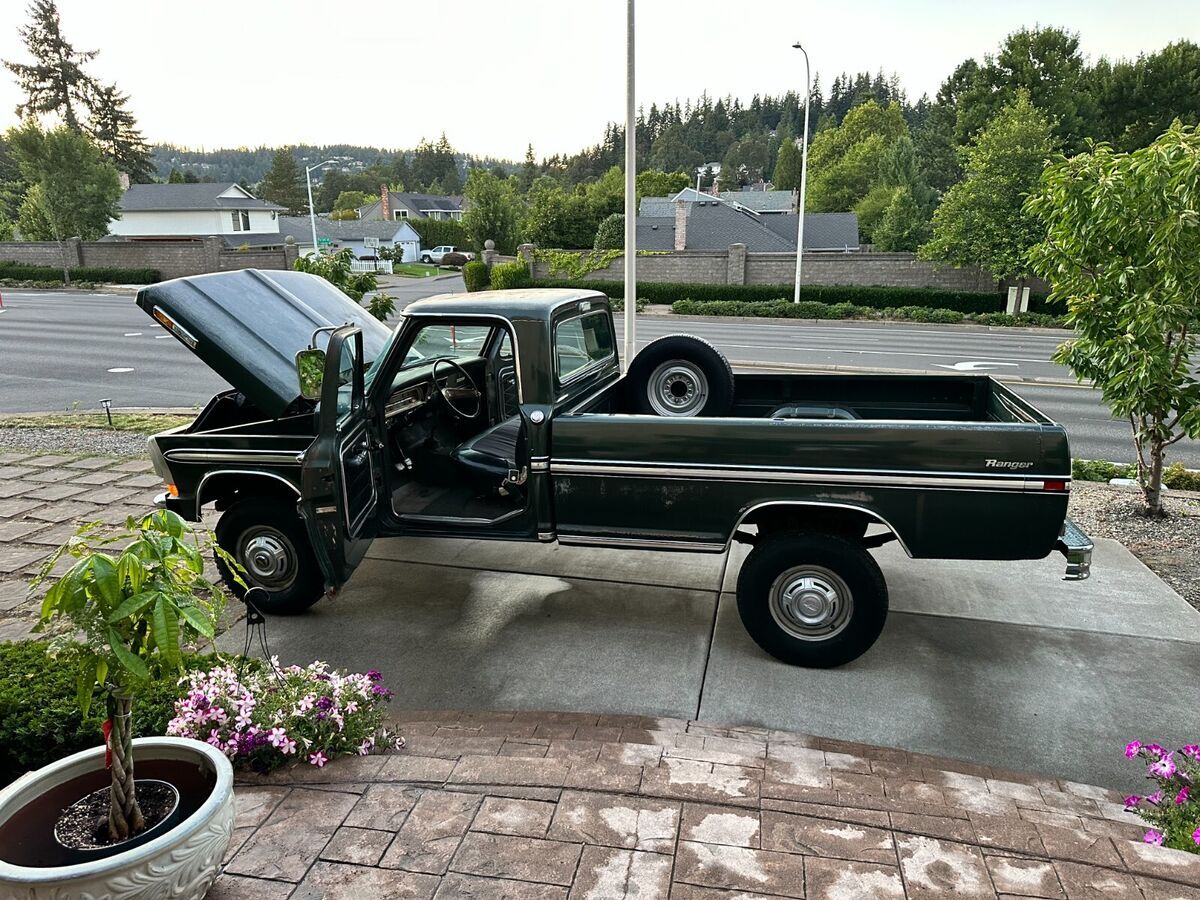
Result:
pixel 506 415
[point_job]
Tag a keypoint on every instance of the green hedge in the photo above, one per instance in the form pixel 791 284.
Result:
pixel 475 275
pixel 875 297
pixel 109 274
pixel 506 276
pixel 436 232
pixel 40 720
pixel 1175 476
pixel 813 309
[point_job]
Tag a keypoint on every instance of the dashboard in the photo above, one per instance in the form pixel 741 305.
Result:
pixel 408 399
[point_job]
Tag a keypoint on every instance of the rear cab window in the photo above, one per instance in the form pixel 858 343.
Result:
pixel 581 343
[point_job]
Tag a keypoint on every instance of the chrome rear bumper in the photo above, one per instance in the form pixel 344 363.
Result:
pixel 1077 548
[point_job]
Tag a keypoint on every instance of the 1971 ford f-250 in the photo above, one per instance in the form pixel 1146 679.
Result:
pixel 505 415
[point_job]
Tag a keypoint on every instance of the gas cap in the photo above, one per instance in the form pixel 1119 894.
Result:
pixel 537 417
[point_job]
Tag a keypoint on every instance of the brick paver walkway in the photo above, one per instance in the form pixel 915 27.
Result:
pixel 555 805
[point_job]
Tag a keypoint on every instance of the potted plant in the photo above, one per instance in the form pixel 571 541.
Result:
pixel 85 826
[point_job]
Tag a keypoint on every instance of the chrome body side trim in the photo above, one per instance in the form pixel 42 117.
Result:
pixel 274 457
pixel 870 513
pixel 641 543
pixel 250 473
pixel 458 520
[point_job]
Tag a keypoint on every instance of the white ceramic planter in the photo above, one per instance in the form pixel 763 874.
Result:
pixel 180 864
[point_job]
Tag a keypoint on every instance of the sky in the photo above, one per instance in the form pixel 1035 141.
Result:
pixel 496 76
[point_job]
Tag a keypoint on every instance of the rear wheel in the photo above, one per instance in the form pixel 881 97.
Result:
pixel 426 258
pixel 681 376
pixel 267 537
pixel 816 600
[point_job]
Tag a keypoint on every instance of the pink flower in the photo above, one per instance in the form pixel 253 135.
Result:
pixel 1155 749
pixel 366 746
pixel 277 736
pixel 1155 798
pixel 1182 797
pixel 1153 837
pixel 1132 800
pixel 287 746
pixel 1132 748
pixel 1164 767
pixel 1196 836
pixel 318 759
pixel 1192 750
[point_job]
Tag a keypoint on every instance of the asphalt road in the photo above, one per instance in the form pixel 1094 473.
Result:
pixel 62 351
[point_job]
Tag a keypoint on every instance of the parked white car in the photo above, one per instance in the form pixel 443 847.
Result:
pixel 438 253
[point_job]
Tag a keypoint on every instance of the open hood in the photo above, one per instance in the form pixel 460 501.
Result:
pixel 248 325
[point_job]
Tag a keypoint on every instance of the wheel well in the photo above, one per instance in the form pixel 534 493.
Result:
pixel 224 488
pixel 850 521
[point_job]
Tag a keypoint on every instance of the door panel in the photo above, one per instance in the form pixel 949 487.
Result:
pixel 341 469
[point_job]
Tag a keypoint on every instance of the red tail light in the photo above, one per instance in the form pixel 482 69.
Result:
pixel 1054 485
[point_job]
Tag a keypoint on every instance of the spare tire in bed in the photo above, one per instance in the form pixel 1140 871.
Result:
pixel 680 375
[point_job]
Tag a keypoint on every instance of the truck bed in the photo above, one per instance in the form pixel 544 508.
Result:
pixel 959 467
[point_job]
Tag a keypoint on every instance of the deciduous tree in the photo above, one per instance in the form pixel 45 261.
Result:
pixel 611 233
pixel 657 183
pixel 980 221
pixel 1121 232
pixel 73 190
pixel 492 211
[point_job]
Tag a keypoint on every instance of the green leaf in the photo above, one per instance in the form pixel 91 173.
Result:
pixel 198 620
pixel 108 584
pixel 165 623
pixel 131 606
pixel 129 660
pixel 83 690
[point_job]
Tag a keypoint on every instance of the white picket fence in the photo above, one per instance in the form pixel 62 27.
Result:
pixel 379 267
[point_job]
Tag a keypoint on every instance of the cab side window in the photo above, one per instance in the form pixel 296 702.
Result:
pixel 581 342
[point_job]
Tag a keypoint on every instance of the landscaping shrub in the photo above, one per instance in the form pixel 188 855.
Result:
pixel 476 276
pixel 506 276
pixel 110 274
pixel 812 309
pixel 40 718
pixel 454 260
pixel 1175 476
pixel 441 232
pixel 1173 807
pixel 874 297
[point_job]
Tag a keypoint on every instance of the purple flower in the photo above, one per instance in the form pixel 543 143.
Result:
pixel 1196 836
pixel 1192 750
pixel 324 703
pixel 1153 837
pixel 1132 800
pixel 375 675
pixel 1182 797
pixel 1164 766
pixel 380 691
pixel 1132 748
pixel 1155 798
pixel 1155 750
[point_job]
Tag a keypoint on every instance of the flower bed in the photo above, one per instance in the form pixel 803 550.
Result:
pixel 277 715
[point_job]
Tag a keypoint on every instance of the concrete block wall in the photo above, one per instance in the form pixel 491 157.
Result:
pixel 737 266
pixel 173 259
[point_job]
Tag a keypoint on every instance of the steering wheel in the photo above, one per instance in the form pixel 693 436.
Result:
pixel 452 394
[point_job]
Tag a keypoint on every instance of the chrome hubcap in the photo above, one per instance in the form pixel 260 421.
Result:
pixel 269 558
pixel 677 388
pixel 811 603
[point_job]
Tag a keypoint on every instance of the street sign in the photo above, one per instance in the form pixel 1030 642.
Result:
pixel 324 242
pixel 371 242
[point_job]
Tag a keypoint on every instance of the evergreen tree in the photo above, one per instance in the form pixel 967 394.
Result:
pixel 55 82
pixel 284 184
pixel 528 170
pixel 788 166
pixel 114 130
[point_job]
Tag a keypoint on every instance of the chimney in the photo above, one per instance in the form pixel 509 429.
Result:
pixel 385 204
pixel 123 178
pixel 681 214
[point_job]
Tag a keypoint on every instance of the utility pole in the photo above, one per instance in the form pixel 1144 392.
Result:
pixel 803 175
pixel 312 212
pixel 630 193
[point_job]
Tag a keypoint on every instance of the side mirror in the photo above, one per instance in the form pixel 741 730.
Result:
pixel 310 366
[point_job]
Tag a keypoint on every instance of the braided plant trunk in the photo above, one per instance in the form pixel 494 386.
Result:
pixel 124 814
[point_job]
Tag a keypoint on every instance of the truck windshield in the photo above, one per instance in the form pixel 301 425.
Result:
pixel 455 341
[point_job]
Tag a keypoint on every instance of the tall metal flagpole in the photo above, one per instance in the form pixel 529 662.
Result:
pixel 803 174
pixel 630 194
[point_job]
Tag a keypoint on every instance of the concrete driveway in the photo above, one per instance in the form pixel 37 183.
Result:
pixel 1002 664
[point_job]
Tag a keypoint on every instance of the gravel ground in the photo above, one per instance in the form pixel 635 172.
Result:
pixel 1170 546
pixel 82 441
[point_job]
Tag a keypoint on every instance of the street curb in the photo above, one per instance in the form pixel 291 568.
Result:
pixel 818 368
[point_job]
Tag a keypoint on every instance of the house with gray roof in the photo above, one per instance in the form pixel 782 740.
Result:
pixel 393 206
pixel 355 234
pixel 713 224
pixel 764 203
pixel 188 211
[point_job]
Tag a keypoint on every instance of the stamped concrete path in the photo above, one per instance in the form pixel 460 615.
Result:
pixel 533 806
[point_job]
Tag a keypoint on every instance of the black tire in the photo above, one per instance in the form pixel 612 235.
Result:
pixel 282 542
pixel 812 627
pixel 427 259
pixel 681 376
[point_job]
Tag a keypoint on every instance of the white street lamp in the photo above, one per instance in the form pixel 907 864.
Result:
pixel 630 193
pixel 312 213
pixel 803 175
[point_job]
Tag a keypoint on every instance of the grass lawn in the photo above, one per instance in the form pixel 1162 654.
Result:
pixel 141 423
pixel 414 270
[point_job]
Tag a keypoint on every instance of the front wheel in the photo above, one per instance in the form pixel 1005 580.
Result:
pixel 816 600
pixel 427 258
pixel 268 539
